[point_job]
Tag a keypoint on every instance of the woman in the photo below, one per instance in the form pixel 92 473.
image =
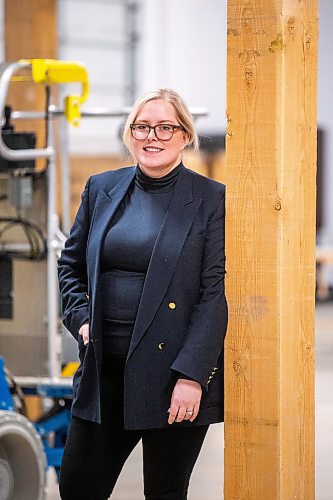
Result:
pixel 142 284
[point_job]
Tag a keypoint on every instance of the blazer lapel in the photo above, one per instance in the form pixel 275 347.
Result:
pixel 177 222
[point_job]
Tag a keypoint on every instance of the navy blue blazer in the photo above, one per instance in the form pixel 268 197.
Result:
pixel 182 317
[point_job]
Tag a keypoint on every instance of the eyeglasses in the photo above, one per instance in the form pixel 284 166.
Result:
pixel 163 132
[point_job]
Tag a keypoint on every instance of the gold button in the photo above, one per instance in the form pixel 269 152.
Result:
pixel 210 377
pixel 215 368
pixel 161 345
pixel 172 305
pixel 209 381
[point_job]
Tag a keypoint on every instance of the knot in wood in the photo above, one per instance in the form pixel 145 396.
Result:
pixel 237 366
pixel 291 25
pixel 308 41
pixel 308 348
pixel 276 44
pixel 277 205
pixel 248 73
pixel 247 16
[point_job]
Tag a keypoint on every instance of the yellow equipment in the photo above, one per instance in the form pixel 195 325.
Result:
pixel 50 71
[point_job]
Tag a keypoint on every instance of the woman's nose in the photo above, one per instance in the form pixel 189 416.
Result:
pixel 152 135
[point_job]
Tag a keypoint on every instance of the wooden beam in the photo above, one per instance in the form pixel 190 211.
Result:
pixel 270 177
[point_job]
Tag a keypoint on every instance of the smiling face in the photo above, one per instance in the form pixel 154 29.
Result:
pixel 155 157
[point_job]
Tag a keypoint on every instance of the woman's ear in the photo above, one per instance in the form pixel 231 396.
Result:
pixel 186 139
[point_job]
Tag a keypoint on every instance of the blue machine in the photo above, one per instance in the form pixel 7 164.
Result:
pixel 52 427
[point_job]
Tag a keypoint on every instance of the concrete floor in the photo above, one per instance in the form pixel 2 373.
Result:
pixel 207 477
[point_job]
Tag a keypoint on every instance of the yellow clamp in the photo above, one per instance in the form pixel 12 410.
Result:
pixel 50 71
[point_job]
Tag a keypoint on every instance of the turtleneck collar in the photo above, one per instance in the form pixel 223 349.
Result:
pixel 157 184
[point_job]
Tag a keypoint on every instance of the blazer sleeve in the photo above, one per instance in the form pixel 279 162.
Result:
pixel 208 324
pixel 72 270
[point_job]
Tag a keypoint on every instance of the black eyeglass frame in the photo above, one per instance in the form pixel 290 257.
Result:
pixel 150 127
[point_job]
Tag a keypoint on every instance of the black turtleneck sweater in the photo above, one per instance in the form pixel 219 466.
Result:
pixel 126 254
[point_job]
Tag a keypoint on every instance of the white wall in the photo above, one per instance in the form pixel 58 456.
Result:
pixel 183 46
pixel 95 33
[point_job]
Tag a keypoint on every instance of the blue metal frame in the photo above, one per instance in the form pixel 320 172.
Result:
pixel 54 428
pixel 57 424
pixel 6 400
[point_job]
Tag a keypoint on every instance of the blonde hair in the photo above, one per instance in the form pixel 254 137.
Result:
pixel 183 114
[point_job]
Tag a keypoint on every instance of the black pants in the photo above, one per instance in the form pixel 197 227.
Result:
pixel 95 453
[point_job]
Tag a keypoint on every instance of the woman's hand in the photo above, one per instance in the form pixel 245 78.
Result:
pixel 185 401
pixel 84 332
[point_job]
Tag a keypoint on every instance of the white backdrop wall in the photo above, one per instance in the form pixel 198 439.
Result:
pixel 182 45
pixel 97 37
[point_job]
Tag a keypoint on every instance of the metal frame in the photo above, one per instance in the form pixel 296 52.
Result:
pixel 6 400
pixel 53 242
pixel 55 424
pixel 7 70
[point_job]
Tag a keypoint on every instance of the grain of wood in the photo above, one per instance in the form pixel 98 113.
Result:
pixel 270 173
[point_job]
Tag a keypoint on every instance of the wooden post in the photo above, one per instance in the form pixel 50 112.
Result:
pixel 270 177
